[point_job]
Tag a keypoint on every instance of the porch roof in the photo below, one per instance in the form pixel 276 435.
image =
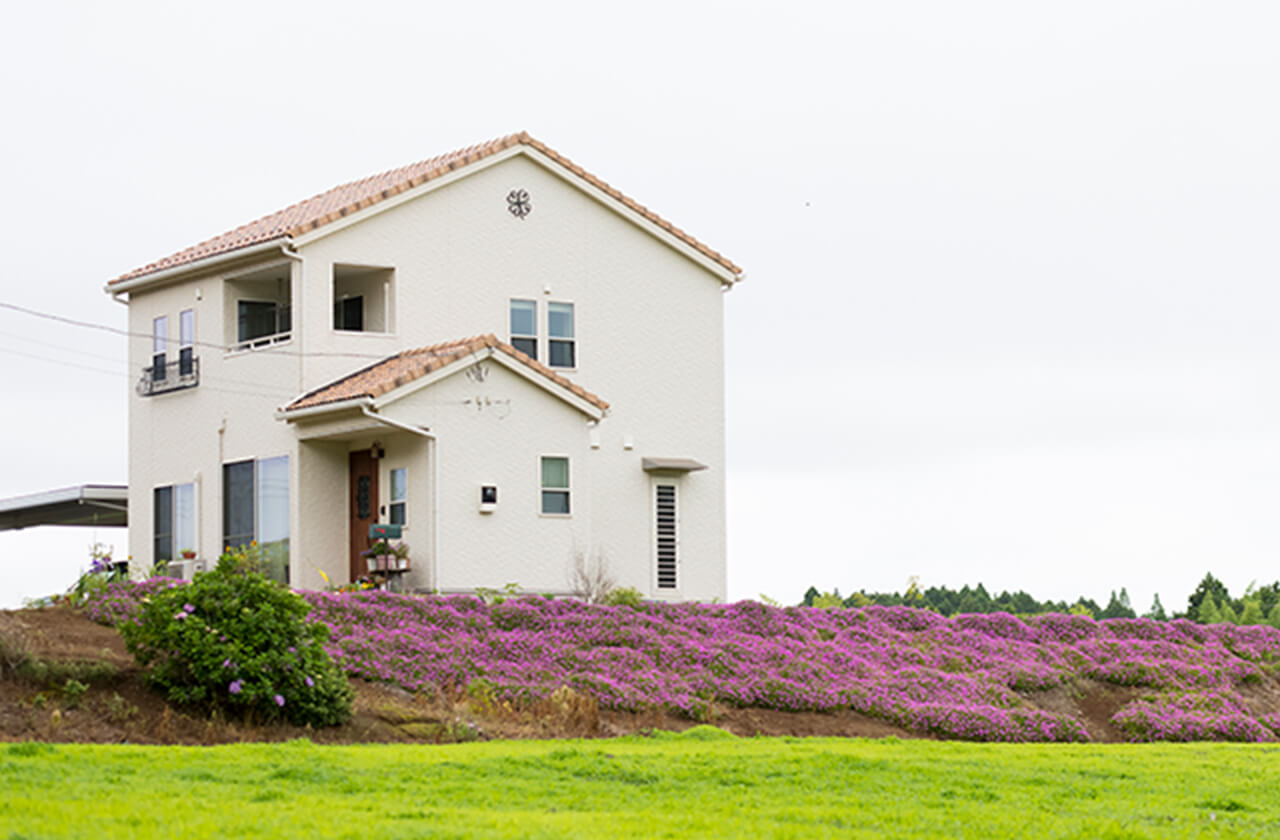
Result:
pixel 399 370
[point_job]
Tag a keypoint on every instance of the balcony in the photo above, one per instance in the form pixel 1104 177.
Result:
pixel 163 377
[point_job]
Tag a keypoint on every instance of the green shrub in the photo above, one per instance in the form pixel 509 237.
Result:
pixel 235 641
pixel 72 691
pixel 626 596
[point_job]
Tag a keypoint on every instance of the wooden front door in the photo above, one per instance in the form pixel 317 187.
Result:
pixel 363 471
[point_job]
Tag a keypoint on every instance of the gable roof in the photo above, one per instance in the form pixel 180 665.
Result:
pixel 405 367
pixel 345 199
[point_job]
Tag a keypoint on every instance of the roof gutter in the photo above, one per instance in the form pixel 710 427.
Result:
pixel 290 414
pixel 280 243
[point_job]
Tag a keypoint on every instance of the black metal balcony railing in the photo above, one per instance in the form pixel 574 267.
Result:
pixel 163 376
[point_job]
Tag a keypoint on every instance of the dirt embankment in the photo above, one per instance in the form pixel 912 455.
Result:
pixel 41 650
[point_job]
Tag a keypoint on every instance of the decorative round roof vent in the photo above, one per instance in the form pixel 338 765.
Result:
pixel 518 203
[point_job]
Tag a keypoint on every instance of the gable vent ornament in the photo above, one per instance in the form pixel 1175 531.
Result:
pixel 518 203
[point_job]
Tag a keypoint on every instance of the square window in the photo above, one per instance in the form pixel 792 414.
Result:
pixel 561 354
pixel 363 298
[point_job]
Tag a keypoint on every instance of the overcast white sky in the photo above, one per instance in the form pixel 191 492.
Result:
pixel 1011 297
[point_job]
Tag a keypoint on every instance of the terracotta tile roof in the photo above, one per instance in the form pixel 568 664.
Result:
pixel 403 368
pixel 345 199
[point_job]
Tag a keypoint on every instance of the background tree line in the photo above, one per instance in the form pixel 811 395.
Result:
pixel 1210 603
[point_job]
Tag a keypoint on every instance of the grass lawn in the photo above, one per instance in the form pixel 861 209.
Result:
pixel 701 783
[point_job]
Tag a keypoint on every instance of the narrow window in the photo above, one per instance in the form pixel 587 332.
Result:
pixel 174 521
pixel 186 342
pixel 560 349
pixel 237 504
pixel 162 525
pixel 159 339
pixel 524 329
pixel 665 538
pixel 184 518
pixel 272 515
pixel 399 496
pixel 555 485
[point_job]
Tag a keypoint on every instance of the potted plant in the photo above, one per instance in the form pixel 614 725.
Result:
pixel 381 555
pixel 188 554
pixel 400 556
pixel 386 556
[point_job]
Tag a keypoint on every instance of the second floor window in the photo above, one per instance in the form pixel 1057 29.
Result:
pixel 561 348
pixel 186 341
pixel 524 327
pixel 256 319
pixel 159 341
pixel 560 343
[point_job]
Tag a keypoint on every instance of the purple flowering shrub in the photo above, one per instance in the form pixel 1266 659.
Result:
pixel 236 641
pixel 971 676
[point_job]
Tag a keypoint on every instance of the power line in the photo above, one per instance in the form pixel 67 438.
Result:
pixel 278 351
pixel 265 387
pixel 267 390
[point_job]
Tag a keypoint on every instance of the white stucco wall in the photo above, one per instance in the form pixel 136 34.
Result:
pixel 649 331
pixel 186 435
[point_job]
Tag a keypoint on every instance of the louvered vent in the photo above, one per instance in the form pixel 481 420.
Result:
pixel 666 535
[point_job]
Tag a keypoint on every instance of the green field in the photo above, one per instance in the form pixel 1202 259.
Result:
pixel 701 783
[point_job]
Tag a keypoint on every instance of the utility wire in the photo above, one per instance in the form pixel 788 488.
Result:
pixel 279 351
pixel 273 390
pixel 267 390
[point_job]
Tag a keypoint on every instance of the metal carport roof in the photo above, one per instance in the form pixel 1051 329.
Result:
pixel 103 505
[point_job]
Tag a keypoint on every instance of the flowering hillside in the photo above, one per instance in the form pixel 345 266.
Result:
pixel 975 677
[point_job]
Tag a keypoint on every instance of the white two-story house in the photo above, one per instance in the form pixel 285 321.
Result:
pixel 493 349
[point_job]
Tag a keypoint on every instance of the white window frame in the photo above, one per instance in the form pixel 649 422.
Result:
pixel 513 336
pixel 186 338
pixel 403 501
pixel 567 490
pixel 159 344
pixel 571 340
pixel 194 525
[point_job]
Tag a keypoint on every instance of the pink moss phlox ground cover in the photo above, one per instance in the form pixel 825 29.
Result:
pixel 120 601
pixel 963 677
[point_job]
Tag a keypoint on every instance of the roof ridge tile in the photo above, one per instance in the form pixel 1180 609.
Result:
pixel 352 196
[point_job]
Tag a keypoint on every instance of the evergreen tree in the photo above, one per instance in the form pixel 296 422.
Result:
pixel 1084 606
pixel 1208 612
pixel 1157 610
pixel 1209 587
pixel 1273 617
pixel 1229 615
pixel 1268 597
pixel 809 594
pixel 1252 612
pixel 1118 606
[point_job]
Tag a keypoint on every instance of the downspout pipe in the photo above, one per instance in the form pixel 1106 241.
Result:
pixel 435 484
